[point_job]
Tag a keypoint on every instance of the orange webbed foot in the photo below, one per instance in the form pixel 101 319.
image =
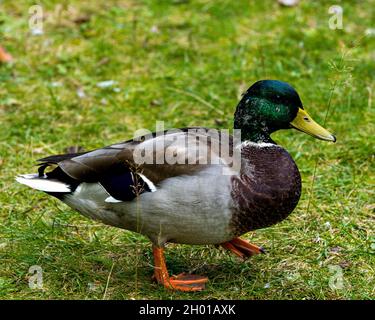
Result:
pixel 188 282
pixel 242 248
pixel 182 282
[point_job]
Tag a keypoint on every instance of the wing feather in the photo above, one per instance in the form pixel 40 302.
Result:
pixel 181 146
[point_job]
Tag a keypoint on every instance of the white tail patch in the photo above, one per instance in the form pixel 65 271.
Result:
pixel 42 184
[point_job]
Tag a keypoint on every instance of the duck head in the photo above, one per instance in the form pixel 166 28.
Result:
pixel 271 105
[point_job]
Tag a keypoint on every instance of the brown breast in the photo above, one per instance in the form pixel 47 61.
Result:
pixel 267 189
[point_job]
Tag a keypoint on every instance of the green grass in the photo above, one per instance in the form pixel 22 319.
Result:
pixel 204 54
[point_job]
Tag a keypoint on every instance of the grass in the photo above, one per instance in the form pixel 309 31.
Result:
pixel 186 63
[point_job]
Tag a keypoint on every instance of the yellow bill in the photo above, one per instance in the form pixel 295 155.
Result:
pixel 305 123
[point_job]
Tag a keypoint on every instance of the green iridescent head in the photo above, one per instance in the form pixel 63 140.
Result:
pixel 271 105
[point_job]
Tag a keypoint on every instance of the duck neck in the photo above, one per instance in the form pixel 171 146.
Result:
pixel 248 121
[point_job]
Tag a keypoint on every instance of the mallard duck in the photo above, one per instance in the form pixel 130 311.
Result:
pixel 184 201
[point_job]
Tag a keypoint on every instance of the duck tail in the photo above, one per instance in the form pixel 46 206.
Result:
pixel 43 183
pixel 54 182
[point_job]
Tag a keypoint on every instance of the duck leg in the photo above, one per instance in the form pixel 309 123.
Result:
pixel 242 248
pixel 181 282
